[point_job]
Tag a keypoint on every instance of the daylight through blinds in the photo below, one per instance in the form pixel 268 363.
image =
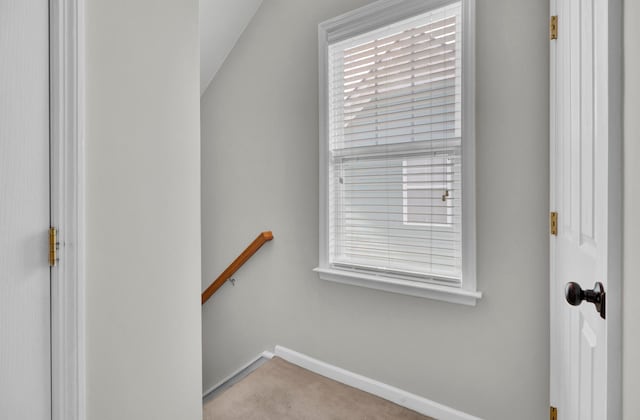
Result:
pixel 395 140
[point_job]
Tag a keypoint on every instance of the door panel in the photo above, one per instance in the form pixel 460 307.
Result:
pixel 25 372
pixel 581 193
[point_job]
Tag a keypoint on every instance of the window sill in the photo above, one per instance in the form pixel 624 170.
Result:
pixel 405 287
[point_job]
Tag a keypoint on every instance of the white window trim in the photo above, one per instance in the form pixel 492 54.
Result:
pixel 364 19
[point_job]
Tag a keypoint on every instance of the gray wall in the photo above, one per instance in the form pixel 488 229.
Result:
pixel 260 171
pixel 631 305
pixel 143 210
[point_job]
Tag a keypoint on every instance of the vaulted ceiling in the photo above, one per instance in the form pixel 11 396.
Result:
pixel 221 24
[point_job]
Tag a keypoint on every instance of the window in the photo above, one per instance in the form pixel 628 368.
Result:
pixel 396 193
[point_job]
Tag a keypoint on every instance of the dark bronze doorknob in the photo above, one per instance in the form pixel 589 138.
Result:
pixel 575 295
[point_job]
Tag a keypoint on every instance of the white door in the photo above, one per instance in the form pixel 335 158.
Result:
pixel 585 193
pixel 25 371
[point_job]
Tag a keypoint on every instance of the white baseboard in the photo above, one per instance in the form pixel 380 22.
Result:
pixel 389 393
pixel 263 355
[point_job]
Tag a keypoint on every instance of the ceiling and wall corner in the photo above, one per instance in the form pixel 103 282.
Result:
pixel 221 24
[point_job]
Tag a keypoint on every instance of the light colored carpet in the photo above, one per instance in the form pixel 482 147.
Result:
pixel 279 390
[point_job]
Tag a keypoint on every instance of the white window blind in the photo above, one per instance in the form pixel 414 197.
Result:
pixel 395 149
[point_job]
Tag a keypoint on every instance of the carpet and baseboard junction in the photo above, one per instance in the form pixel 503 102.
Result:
pixel 290 385
pixel 279 390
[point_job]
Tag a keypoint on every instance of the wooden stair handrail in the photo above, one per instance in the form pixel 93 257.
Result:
pixel 263 238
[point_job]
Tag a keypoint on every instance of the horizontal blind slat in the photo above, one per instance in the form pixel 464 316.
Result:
pixel 410 93
pixel 413 67
pixel 392 88
pixel 439 71
pixel 402 114
pixel 392 57
pixel 439 134
pixel 434 25
pixel 436 36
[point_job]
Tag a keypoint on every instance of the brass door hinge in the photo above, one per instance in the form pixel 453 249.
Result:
pixel 553 413
pixel 553 27
pixel 53 246
pixel 553 223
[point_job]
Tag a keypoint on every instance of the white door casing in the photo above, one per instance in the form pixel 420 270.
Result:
pixel 586 194
pixel 25 367
pixel 67 209
pixel 42 50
